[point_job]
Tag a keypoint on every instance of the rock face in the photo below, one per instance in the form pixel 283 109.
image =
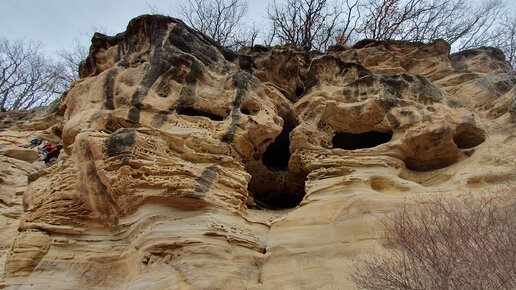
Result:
pixel 190 166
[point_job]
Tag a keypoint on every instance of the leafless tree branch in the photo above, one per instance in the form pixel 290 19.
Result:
pixel 314 24
pixel 28 78
pixel 426 20
pixel 218 19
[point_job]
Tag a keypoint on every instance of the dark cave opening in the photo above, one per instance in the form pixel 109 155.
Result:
pixel 277 189
pixel 299 91
pixel 274 185
pixel 245 111
pixel 277 154
pixel 350 141
pixel 195 112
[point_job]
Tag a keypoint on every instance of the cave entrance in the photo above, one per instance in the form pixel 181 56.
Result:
pixel 274 184
pixel 277 155
pixel 350 141
pixel 279 189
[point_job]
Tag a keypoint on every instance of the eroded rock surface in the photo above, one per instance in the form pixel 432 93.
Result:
pixel 190 166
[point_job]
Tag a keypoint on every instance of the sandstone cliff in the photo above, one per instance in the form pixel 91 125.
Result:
pixel 189 166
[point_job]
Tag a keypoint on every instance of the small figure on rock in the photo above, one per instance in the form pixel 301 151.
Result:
pixel 46 148
pixel 53 155
pixel 33 143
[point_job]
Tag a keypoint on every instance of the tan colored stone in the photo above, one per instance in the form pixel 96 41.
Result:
pixel 29 155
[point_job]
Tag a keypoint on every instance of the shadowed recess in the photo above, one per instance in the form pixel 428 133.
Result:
pixel 350 141
pixel 119 141
pixel 428 165
pixel 299 92
pixel 277 154
pixel 468 136
pixel 281 190
pixel 196 112
pixel 273 184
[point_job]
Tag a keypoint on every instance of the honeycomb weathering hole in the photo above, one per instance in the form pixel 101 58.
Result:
pixel 273 184
pixel 196 112
pixel 350 141
pixel 468 136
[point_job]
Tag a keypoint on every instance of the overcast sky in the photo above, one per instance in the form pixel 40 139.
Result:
pixel 59 23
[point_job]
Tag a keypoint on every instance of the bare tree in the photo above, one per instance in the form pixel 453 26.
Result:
pixel 245 37
pixel 505 37
pixel 474 31
pixel 70 60
pixel 314 24
pixel 446 244
pixel 218 19
pixel 426 20
pixel 27 77
pixel 386 19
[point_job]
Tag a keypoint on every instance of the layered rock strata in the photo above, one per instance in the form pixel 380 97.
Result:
pixel 191 166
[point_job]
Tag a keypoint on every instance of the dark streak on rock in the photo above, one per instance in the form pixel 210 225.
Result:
pixel 160 62
pixel 206 179
pixel 388 101
pixel 109 92
pixel 186 94
pixel 428 92
pixel 119 141
pixel 159 119
pixel 240 81
pixel 246 63
pixel 134 115
pixel 394 85
pixel 95 116
pixel 190 43
pixel 393 121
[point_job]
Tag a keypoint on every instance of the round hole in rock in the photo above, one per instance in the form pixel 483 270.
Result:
pixel 350 141
pixel 245 111
pixel 468 136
